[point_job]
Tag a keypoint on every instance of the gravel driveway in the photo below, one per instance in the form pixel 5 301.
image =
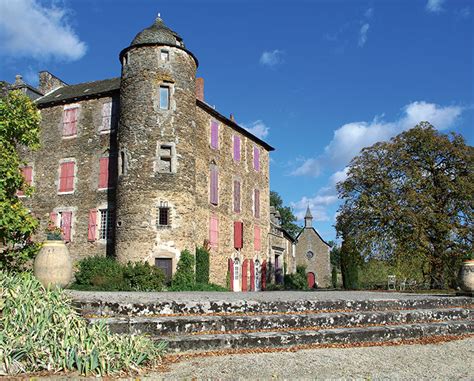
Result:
pixel 447 361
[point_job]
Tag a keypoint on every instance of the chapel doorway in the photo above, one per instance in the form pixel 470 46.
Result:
pixel 311 279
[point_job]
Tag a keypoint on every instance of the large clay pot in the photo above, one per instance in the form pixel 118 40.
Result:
pixel 466 276
pixel 53 265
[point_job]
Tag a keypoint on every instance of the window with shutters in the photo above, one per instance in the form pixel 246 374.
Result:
pixel 70 121
pixel 214 185
pixel 27 173
pixel 214 231
pixel 214 134
pixel 103 173
pixel 66 176
pixel 105 227
pixel 164 97
pixel 237 197
pixel 256 203
pixel 63 220
pixel 163 218
pixel 256 158
pixel 109 117
pixel 257 238
pixel 236 148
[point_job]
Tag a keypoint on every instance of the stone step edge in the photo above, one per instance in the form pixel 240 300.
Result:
pixel 379 305
pixel 290 338
pixel 196 318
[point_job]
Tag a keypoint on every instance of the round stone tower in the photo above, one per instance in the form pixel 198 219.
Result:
pixel 155 198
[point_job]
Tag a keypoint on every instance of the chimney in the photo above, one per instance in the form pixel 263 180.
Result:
pixel 200 89
pixel 232 117
pixel 49 82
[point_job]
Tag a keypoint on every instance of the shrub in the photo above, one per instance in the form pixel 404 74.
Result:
pixel 200 287
pixel 100 273
pixel 41 331
pixel 141 276
pixel 184 277
pixel 334 277
pixel 274 287
pixel 297 281
pixel 202 265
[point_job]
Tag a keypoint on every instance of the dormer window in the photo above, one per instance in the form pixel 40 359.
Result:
pixel 164 97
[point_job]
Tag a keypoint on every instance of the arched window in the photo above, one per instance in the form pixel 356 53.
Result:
pixel 258 275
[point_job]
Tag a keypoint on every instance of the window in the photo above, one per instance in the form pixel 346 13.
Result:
pixel 66 177
pixel 236 148
pixel 238 234
pixel 214 135
pixel 256 203
pixel 214 185
pixel 236 196
pixel 165 55
pixel 256 158
pixel 163 218
pixel 214 231
pixel 165 158
pixel 256 238
pixel 105 228
pixel 27 173
pixel 63 219
pixel 103 173
pixel 164 97
pixel 109 117
pixel 236 269
pixel 70 121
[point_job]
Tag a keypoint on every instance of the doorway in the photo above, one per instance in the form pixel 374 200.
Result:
pixel 165 264
pixel 311 279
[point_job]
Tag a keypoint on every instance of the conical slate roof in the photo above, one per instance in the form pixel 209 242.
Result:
pixel 308 213
pixel 158 33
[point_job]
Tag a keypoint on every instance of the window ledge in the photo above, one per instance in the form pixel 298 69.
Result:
pixel 67 192
pixel 163 226
pixel 68 137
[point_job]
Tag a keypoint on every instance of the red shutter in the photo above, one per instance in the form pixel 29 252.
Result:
pixel 214 185
pixel 263 276
pixel 257 203
pixel 257 239
pixel 244 275
pixel 231 274
pixel 252 275
pixel 53 216
pixel 92 227
pixel 66 218
pixel 62 177
pixel 103 172
pixel 238 234
pixel 66 177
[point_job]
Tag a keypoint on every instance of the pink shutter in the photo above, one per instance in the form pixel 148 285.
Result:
pixel 244 275
pixel 92 227
pixel 66 177
pixel 238 234
pixel 214 231
pixel 73 121
pixel 236 148
pixel 257 203
pixel 214 134
pixel 231 273
pixel 252 275
pixel 256 158
pixel 257 238
pixel 27 173
pixel 62 177
pixel 53 216
pixel 214 186
pixel 236 196
pixel 103 172
pixel 66 218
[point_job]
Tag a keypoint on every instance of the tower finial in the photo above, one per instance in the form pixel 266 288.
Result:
pixel 308 218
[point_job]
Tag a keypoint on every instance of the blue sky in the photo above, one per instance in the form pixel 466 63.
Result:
pixel 318 80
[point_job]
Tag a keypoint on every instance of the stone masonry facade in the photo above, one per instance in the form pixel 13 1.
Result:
pixel 141 167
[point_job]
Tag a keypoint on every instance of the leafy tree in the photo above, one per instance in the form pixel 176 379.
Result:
pixel 19 129
pixel 335 254
pixel 184 278
pixel 410 200
pixel 286 213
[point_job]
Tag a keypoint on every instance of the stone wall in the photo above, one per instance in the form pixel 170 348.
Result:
pixel 320 263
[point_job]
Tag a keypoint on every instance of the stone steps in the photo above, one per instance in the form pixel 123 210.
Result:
pixel 194 324
pixel 324 336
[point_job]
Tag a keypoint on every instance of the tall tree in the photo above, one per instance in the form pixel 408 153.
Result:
pixel 411 198
pixel 19 129
pixel 288 219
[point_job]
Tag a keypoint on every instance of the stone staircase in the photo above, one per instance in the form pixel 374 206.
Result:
pixel 212 324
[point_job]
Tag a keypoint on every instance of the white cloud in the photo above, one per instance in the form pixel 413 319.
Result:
pixel 257 128
pixel 30 29
pixel 271 58
pixel 369 13
pixel 434 6
pixel 364 29
pixel 350 138
pixel 338 176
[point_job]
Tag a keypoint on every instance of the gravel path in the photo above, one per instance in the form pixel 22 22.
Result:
pixel 448 361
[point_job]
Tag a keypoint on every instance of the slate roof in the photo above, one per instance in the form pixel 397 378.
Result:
pixel 158 33
pixel 79 91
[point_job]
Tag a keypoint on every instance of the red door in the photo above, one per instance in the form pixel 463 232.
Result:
pixel 310 278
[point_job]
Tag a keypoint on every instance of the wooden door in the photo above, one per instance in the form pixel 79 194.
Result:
pixel 166 265
pixel 310 278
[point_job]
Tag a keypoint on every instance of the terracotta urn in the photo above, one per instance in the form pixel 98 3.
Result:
pixel 466 275
pixel 53 265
